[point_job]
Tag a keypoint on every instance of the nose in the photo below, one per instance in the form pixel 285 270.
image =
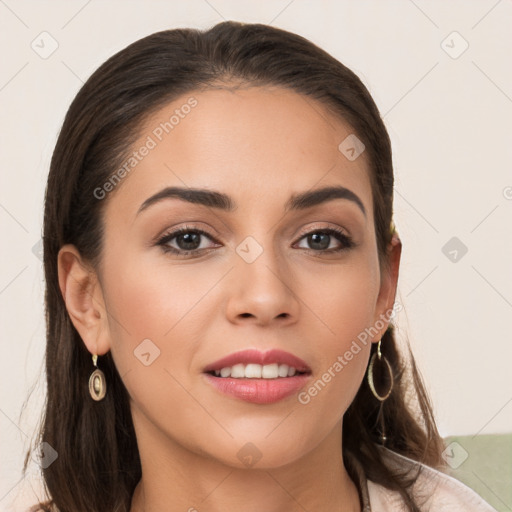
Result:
pixel 261 292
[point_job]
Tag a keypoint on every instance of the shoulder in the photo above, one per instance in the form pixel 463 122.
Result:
pixel 434 490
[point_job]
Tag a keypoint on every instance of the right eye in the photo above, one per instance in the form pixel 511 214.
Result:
pixel 187 241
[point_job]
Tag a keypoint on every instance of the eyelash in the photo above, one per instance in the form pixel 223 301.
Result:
pixel 347 242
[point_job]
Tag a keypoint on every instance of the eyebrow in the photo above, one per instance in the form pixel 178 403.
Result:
pixel 221 201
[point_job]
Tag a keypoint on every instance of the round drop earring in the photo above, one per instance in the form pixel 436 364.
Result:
pixel 97 381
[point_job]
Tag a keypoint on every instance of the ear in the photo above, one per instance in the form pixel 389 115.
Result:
pixel 388 284
pixel 83 296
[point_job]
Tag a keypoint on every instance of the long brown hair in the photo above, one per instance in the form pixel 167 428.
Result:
pixel 98 464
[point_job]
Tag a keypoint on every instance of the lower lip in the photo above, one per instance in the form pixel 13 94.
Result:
pixel 259 391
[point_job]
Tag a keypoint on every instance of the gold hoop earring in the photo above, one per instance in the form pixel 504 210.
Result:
pixel 380 398
pixel 97 382
pixel 370 374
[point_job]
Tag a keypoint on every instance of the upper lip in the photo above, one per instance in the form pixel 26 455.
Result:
pixel 258 357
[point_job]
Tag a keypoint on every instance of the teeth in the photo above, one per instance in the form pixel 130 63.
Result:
pixel 283 370
pixel 237 371
pixel 270 371
pixel 257 371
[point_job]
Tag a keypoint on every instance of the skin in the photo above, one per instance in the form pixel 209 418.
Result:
pixel 259 146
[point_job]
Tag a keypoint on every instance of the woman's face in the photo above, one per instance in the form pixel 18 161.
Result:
pixel 253 280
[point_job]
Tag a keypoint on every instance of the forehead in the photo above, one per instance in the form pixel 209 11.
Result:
pixel 256 143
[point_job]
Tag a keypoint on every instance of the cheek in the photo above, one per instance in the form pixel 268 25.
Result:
pixel 342 298
pixel 156 319
pixel 150 298
pixel 158 316
pixel 343 356
pixel 149 309
pixel 344 307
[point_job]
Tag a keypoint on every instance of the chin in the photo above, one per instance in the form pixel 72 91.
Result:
pixel 262 451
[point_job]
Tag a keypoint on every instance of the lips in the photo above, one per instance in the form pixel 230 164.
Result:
pixel 261 390
pixel 262 358
pixel 258 391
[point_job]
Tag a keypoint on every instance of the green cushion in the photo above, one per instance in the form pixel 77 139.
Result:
pixel 484 463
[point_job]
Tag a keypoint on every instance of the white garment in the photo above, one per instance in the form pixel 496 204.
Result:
pixel 434 491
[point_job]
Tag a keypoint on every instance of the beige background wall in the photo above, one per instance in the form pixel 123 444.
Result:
pixel 448 110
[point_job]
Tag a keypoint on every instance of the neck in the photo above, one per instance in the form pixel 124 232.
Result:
pixel 177 479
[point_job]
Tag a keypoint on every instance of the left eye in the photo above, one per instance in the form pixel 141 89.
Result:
pixel 322 238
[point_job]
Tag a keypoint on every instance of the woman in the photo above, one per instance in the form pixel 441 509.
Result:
pixel 221 268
